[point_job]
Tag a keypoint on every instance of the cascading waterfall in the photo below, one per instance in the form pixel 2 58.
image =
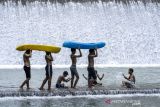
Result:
pixel 131 32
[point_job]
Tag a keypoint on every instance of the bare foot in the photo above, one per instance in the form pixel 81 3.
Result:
pixel 28 88
pixel 21 87
pixel 74 88
pixel 49 89
pixel 41 89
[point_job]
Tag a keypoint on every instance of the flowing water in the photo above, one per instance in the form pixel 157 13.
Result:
pixel 111 94
pixel 130 29
pixel 145 77
pixel 131 32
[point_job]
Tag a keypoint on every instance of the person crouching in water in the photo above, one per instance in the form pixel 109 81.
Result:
pixel 27 67
pixel 73 67
pixel 131 79
pixel 48 68
pixel 91 71
pixel 62 79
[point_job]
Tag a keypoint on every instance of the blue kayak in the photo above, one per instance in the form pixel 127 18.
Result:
pixel 80 45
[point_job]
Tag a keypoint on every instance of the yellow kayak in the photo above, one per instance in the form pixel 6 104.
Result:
pixel 48 48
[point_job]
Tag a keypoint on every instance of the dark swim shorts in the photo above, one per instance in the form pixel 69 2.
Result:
pixel 59 86
pixel 27 71
pixel 48 69
pixel 74 71
pixel 91 73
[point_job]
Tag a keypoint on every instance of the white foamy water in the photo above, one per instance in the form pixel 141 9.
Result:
pixel 85 66
pixel 80 96
pixel 131 32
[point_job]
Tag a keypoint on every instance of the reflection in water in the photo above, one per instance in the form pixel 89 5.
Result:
pixel 115 101
pixel 25 103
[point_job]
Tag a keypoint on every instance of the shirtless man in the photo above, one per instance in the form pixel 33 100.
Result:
pixel 27 67
pixel 48 68
pixel 73 67
pixel 62 78
pixel 91 71
pixel 131 79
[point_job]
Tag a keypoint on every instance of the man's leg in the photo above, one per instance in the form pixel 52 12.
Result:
pixel 72 77
pixel 89 77
pixel 25 81
pixel 90 80
pixel 49 83
pixel 28 83
pixel 28 76
pixel 43 83
pixel 77 78
pixel 50 77
pixel 72 80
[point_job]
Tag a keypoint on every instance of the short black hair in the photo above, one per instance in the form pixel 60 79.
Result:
pixel 28 51
pixel 131 69
pixel 91 50
pixel 73 49
pixel 65 73
pixel 48 53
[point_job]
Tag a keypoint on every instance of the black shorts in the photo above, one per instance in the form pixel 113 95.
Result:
pixel 91 73
pixel 59 86
pixel 48 69
pixel 27 71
